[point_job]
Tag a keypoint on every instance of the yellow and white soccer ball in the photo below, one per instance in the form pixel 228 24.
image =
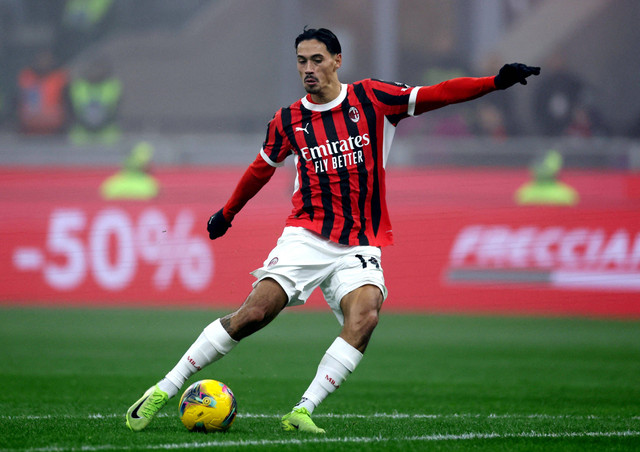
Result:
pixel 208 406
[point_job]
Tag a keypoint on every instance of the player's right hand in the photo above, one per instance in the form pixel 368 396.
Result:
pixel 217 225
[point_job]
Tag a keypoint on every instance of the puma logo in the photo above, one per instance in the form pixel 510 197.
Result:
pixel 298 129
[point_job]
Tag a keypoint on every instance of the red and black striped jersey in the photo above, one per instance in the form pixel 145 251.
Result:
pixel 341 149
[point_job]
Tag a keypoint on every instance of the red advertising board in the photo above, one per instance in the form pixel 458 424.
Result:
pixel 462 244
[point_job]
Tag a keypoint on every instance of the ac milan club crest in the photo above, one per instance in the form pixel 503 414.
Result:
pixel 354 114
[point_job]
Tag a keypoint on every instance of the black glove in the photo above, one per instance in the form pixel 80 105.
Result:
pixel 217 225
pixel 513 73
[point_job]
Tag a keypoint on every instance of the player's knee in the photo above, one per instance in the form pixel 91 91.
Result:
pixel 246 321
pixel 255 315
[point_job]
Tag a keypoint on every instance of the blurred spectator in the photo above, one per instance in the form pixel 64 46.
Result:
pixel 82 22
pixel 134 180
pixel 95 100
pixel 586 123
pixel 489 121
pixel 545 188
pixel 561 101
pixel 42 97
pixel 494 117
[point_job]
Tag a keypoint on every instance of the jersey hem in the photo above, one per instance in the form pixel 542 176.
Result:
pixel 315 227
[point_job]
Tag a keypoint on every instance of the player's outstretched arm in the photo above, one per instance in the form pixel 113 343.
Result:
pixel 254 178
pixel 463 89
pixel 513 73
pixel 452 91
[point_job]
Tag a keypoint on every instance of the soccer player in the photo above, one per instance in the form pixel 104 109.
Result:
pixel 339 136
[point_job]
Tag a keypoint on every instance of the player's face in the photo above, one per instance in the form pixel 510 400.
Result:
pixel 318 70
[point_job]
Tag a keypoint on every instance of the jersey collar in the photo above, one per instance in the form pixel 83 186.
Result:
pixel 329 105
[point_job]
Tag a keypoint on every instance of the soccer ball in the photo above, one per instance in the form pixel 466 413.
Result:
pixel 207 406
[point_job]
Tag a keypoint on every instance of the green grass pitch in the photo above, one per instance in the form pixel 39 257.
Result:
pixel 67 376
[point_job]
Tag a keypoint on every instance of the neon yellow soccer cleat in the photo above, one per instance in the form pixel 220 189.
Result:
pixel 144 410
pixel 299 419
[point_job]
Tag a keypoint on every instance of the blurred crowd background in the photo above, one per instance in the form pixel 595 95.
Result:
pixel 82 81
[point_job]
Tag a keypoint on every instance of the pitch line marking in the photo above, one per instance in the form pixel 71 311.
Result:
pixel 357 439
pixel 343 416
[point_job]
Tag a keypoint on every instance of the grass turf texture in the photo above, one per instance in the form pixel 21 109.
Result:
pixel 427 382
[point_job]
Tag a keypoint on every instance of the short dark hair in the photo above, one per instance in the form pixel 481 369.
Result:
pixel 324 36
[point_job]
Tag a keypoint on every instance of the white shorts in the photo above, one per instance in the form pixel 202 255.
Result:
pixel 303 260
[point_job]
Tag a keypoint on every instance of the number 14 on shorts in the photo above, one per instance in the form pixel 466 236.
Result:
pixel 364 261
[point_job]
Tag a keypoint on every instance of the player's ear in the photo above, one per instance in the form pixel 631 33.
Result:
pixel 338 61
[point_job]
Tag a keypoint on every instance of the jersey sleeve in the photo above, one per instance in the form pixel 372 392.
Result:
pixel 427 98
pixel 393 99
pixel 398 100
pixel 251 182
pixel 275 147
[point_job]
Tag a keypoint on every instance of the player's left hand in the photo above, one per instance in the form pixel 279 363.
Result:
pixel 217 225
pixel 513 73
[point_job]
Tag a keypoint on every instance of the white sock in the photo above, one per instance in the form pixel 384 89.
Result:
pixel 212 344
pixel 338 362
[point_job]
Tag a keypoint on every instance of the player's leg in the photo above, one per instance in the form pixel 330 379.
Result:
pixel 265 302
pixel 360 308
pixel 262 305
